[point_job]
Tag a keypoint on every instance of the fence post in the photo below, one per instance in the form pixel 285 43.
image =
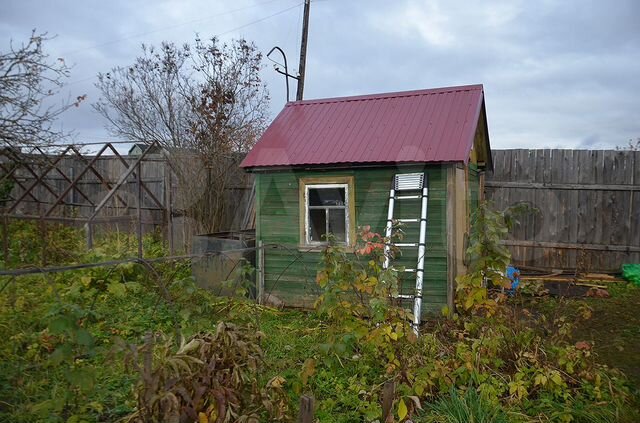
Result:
pixel 306 410
pixel 388 392
pixel 89 233
pixel 44 239
pixel 5 240
pixel 260 272
pixel 169 206
pixel 139 208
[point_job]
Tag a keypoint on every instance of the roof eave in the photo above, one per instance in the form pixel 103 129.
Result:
pixel 334 166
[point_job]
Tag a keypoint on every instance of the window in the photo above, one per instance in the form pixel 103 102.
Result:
pixel 326 208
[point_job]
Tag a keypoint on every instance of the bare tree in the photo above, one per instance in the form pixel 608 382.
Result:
pixel 29 81
pixel 205 103
pixel 632 145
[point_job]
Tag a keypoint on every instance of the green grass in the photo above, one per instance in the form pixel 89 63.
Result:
pixel 468 407
pixel 125 303
pixel 292 337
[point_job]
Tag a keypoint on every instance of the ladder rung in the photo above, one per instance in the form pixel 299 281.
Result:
pixel 405 296
pixel 408 220
pixel 410 270
pixel 406 244
pixel 408 197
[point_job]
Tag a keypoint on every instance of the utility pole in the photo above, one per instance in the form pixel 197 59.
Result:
pixel 303 50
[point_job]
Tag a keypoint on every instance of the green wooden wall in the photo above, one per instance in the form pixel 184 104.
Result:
pixel 290 271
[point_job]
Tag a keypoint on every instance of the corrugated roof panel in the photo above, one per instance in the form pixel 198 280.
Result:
pixel 436 125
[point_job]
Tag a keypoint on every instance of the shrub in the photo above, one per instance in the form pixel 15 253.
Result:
pixel 497 352
pixel 211 377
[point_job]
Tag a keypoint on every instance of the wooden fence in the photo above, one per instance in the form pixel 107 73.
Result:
pixel 70 187
pixel 588 201
pixel 588 205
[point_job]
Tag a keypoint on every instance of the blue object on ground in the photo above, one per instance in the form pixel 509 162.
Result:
pixel 513 273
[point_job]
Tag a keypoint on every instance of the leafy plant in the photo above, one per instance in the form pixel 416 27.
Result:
pixel 358 297
pixel 212 377
pixel 487 257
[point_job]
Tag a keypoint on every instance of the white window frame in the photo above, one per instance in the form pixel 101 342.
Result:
pixel 345 207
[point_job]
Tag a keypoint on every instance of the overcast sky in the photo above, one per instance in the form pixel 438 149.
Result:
pixel 557 73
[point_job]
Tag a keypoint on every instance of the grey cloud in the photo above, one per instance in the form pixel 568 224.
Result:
pixel 556 73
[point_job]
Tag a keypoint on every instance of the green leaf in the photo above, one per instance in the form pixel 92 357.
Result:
pixel 61 353
pixel 44 408
pixel 84 337
pixel 418 389
pixel 184 314
pixel 117 289
pixel 60 324
pixel 83 378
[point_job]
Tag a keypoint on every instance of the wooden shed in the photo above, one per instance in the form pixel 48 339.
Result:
pixel 329 165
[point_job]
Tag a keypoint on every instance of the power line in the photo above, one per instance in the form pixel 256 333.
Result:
pixel 260 20
pixel 153 31
pixel 216 35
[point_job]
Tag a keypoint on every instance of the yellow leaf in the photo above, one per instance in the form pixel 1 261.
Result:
pixel 202 418
pixel 321 279
pixel 468 302
pixel 277 382
pixel 513 388
pixel 540 379
pixel 556 378
pixel 445 311
pixel 402 409
pixel 308 370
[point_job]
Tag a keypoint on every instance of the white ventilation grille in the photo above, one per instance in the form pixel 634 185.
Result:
pixel 409 181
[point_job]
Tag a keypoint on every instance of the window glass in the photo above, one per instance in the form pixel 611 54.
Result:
pixel 337 224
pixel 326 196
pixel 317 224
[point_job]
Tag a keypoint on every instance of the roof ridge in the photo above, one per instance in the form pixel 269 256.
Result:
pixel 382 96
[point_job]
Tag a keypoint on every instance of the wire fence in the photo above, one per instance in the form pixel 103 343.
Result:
pixel 223 280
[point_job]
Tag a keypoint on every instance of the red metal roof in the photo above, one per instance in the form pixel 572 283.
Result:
pixel 436 125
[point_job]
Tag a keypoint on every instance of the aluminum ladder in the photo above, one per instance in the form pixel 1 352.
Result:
pixel 410 186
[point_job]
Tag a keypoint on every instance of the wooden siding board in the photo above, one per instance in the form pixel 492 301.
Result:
pixel 294 283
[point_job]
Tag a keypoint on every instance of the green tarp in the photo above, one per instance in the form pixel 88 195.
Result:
pixel 631 272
